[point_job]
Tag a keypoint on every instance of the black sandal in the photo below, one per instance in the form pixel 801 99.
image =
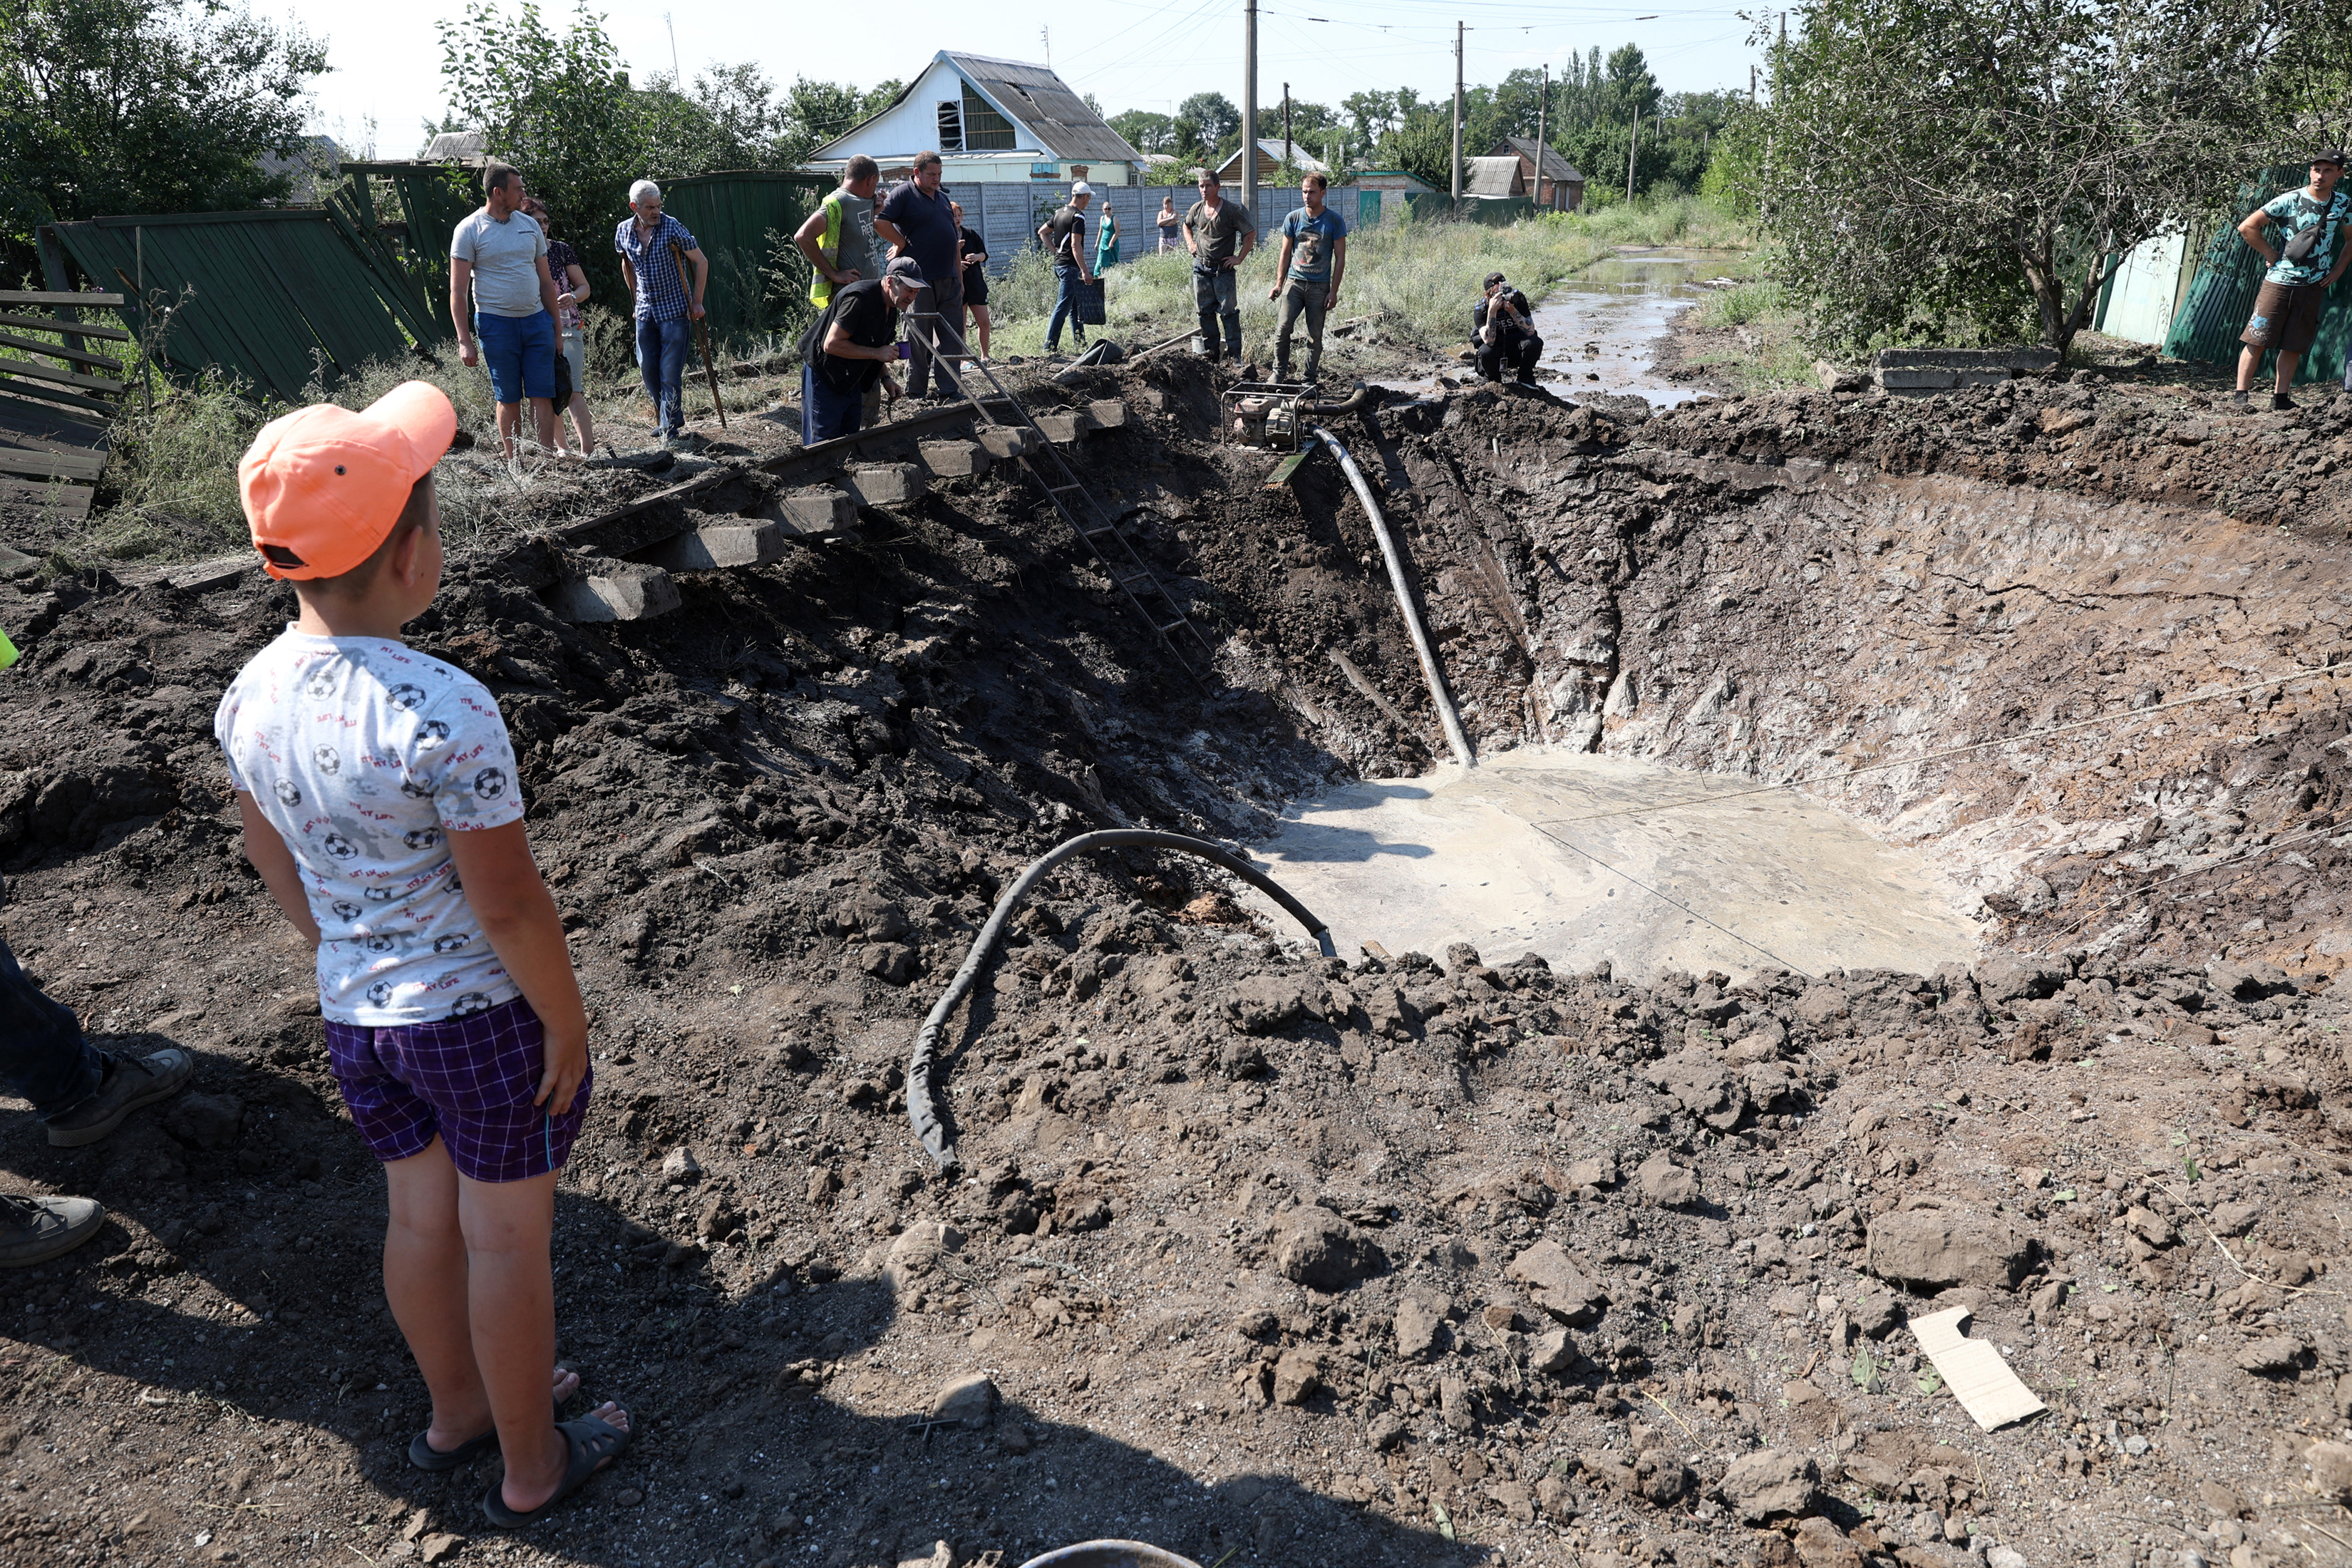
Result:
pixel 425 1457
pixel 593 1441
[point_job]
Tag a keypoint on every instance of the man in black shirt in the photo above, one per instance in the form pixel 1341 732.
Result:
pixel 1064 235
pixel 1219 233
pixel 1503 327
pixel 850 346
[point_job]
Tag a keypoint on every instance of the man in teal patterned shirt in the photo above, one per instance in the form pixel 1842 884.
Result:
pixel 2312 225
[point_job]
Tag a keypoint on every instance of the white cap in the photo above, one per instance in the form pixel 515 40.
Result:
pixel 1082 189
pixel 644 190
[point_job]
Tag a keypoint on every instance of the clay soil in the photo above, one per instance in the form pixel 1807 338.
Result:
pixel 1256 1248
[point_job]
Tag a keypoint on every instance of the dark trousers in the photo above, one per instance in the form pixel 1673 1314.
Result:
pixel 1520 354
pixel 947 300
pixel 825 412
pixel 43 1056
pixel 1067 279
pixel 1216 296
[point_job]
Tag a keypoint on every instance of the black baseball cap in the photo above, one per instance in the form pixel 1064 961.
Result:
pixel 1493 278
pixel 2333 155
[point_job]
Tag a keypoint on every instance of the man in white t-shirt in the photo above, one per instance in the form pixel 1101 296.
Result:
pixel 501 254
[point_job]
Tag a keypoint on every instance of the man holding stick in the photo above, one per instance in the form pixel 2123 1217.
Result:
pixel 652 243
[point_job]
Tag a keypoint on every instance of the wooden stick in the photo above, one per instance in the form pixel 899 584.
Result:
pixel 702 330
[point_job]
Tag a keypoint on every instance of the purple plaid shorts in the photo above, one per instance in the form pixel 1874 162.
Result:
pixel 469 1080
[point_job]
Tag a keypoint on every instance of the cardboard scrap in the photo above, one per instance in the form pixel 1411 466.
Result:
pixel 1974 1371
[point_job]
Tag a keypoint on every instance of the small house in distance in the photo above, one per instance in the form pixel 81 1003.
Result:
pixel 1269 163
pixel 1551 180
pixel 991 120
pixel 1384 194
pixel 1492 179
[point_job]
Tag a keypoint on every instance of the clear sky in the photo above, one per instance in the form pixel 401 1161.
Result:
pixel 1130 54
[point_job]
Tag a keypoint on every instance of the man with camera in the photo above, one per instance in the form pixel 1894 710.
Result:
pixel 1503 327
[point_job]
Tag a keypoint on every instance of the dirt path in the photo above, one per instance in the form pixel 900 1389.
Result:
pixel 1256 1248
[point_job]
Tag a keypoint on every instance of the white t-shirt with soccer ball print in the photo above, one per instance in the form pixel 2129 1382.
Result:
pixel 365 754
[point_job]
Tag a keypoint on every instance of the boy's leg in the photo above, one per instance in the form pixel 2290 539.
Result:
pixel 512 1301
pixel 426 1280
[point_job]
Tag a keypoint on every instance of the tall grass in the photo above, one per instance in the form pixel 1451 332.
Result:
pixel 1415 282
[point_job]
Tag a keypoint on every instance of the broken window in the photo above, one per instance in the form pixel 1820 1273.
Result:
pixel 984 130
pixel 950 125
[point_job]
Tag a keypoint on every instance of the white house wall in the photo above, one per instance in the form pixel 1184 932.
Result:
pixel 914 124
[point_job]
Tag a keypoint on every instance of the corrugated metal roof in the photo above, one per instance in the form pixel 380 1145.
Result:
pixel 1270 151
pixel 1037 99
pixel 1553 167
pixel 464 146
pixel 1494 177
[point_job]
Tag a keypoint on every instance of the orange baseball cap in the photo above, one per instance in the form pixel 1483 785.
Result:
pixel 322 486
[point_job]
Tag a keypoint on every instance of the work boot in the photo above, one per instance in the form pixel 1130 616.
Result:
pixel 33 1230
pixel 129 1083
pixel 2281 403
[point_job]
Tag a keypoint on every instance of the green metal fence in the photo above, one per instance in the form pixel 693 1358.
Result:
pixel 414 208
pixel 743 221
pixel 2228 277
pixel 280 298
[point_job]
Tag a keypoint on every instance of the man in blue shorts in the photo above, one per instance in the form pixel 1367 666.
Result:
pixel 502 254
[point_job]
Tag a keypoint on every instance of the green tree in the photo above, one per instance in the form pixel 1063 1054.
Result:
pixel 1939 165
pixel 1213 121
pixel 1146 132
pixel 113 107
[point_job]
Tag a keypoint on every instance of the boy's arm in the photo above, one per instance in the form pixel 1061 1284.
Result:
pixel 504 888
pixel 268 852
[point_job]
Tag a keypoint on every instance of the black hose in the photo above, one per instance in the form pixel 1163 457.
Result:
pixel 922 1107
pixel 1363 398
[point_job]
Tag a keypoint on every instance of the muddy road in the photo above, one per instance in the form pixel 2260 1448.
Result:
pixel 1441 1256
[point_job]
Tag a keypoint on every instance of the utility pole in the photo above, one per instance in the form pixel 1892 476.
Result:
pixel 1249 112
pixel 1286 122
pixel 1542 104
pixel 1045 37
pixel 677 81
pixel 1457 119
pixel 1633 151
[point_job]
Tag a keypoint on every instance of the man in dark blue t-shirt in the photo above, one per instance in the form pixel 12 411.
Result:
pixel 921 213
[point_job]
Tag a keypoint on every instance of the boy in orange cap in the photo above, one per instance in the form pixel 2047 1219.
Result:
pixel 377 786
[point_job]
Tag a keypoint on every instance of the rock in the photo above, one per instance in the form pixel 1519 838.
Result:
pixel 1702 1086
pixel 1316 1248
pixel 1553 1352
pixel 887 484
pixel 2011 976
pixel 718 545
pixel 2276 1355
pixel 718 1220
pixel 1820 1544
pixel 1770 1483
pixel 2149 1227
pixel 2235 1219
pixel 1555 1498
pixel 2010 1557
pixel 2248 982
pixel 204 1121
pixel 1454 1398
pixel 1386 1431
pixel 1558 1285
pixel 1460 956
pixel 917 1250
pixel 2331 1470
pixel 1419 1330
pixel 970 1399
pixel 1661 1477
pixel 681 1165
pixel 435 1547
pixel 1265 1003
pixel 1938 1248
pixel 1878 1314
pixel 1666 1183
pixel 1599 1171
pixel 1297 1375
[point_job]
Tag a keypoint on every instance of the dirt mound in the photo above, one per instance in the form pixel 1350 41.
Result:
pixel 1304 1260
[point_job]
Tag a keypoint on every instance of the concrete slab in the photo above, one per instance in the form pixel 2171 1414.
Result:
pixel 718 545
pixel 1004 441
pixel 1737 882
pixel 822 510
pixel 1062 425
pixel 953 459
pixel 1108 413
pixel 630 592
pixel 887 484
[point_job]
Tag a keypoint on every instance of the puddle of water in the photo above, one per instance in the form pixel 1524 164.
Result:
pixel 1741 884
pixel 1606 322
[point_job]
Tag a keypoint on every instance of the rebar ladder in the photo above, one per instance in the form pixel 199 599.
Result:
pixel 1103 538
